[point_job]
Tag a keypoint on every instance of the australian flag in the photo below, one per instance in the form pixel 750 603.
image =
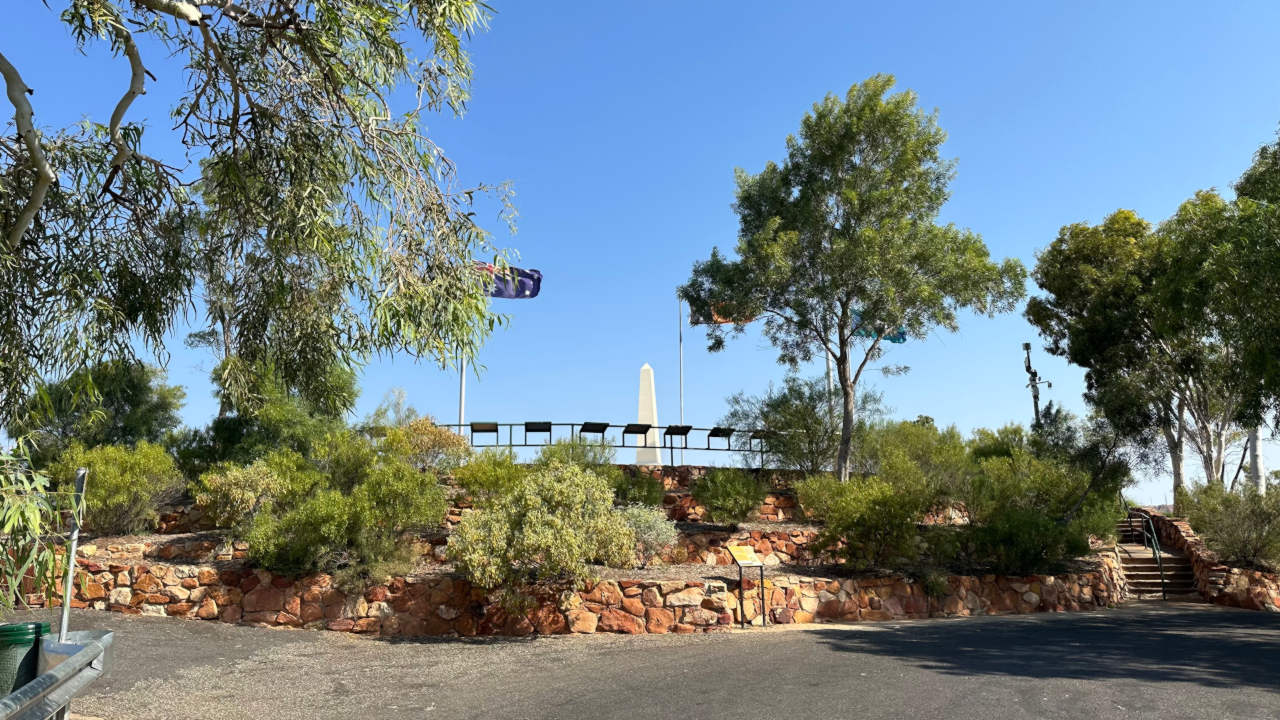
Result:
pixel 513 282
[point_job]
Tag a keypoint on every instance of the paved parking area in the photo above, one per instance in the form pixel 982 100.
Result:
pixel 1149 660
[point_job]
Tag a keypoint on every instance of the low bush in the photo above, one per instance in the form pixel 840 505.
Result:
pixel 427 446
pixel 653 530
pixel 1243 527
pixel 552 523
pixel 395 498
pixel 872 521
pixel 490 472
pixel 591 454
pixel 331 529
pixel 125 485
pixel 1026 513
pixel 817 494
pixel 630 488
pixel 231 494
pixel 313 535
pixel 729 495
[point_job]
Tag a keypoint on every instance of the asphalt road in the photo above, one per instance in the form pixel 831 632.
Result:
pixel 1174 661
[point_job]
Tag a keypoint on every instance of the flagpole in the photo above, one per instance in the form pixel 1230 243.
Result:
pixel 462 392
pixel 680 335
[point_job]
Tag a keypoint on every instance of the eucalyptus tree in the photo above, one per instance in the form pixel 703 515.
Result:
pixel 839 247
pixel 1111 306
pixel 135 404
pixel 322 224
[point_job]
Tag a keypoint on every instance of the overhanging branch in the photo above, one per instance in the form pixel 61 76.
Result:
pixel 22 118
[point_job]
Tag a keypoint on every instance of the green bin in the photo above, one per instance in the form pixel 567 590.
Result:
pixel 20 653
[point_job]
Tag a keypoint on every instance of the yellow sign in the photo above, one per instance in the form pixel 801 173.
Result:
pixel 745 556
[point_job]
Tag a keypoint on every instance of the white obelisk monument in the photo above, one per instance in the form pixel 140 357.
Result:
pixel 648 414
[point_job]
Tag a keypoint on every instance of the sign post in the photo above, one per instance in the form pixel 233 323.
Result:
pixel 744 556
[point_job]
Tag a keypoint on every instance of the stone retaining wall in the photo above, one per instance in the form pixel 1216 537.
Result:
pixel 1218 583
pixel 774 547
pixel 447 605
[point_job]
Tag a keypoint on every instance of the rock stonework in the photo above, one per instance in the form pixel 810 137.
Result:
pixel 774 547
pixel 1218 583
pixel 447 605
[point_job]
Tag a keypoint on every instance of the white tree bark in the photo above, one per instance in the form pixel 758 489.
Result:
pixel 1173 437
pixel 1257 475
pixel 178 9
pixel 22 118
pixel 137 86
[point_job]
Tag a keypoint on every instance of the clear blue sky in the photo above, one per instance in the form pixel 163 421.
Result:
pixel 620 125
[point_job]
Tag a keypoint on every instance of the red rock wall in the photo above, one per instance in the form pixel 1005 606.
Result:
pixel 774 547
pixel 446 605
pixel 1218 583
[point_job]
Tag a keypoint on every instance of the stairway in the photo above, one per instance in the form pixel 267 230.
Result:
pixel 1142 569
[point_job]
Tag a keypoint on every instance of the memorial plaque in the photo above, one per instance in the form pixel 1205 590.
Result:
pixel 745 556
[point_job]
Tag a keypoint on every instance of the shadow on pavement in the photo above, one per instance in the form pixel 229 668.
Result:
pixel 1200 644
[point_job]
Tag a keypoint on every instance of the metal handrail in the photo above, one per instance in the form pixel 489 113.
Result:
pixel 1148 530
pixel 75 665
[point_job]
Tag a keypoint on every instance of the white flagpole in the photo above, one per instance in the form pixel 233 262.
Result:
pixel 462 393
pixel 680 335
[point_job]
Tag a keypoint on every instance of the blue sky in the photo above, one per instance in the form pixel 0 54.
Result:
pixel 619 126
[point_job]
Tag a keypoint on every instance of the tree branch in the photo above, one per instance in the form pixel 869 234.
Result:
pixel 137 86
pixel 177 8
pixel 22 114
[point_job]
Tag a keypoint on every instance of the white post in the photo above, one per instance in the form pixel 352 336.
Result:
pixel 70 561
pixel 462 393
pixel 680 334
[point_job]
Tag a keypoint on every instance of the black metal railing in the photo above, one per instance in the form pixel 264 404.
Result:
pixel 1149 540
pixel 670 437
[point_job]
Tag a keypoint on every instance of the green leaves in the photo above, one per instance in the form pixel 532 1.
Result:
pixel 29 527
pixel 843 237
pixel 325 225
pixel 547 524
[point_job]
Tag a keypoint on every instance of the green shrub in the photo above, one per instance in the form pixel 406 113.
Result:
pixel 549 524
pixel 598 457
pixel 1024 515
pixel 935 585
pixel 313 535
pixel 579 451
pixel 817 494
pixel 231 494
pixel 125 485
pixel 637 487
pixel 652 529
pixel 872 521
pixel 427 446
pixel 395 498
pixel 328 529
pixel 488 473
pixel 345 458
pixel 729 495
pixel 1243 527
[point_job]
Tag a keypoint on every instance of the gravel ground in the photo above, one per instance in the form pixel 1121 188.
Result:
pixel 1155 660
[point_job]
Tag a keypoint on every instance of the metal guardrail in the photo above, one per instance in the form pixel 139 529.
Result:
pixel 1151 541
pixel 69 668
pixel 672 437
